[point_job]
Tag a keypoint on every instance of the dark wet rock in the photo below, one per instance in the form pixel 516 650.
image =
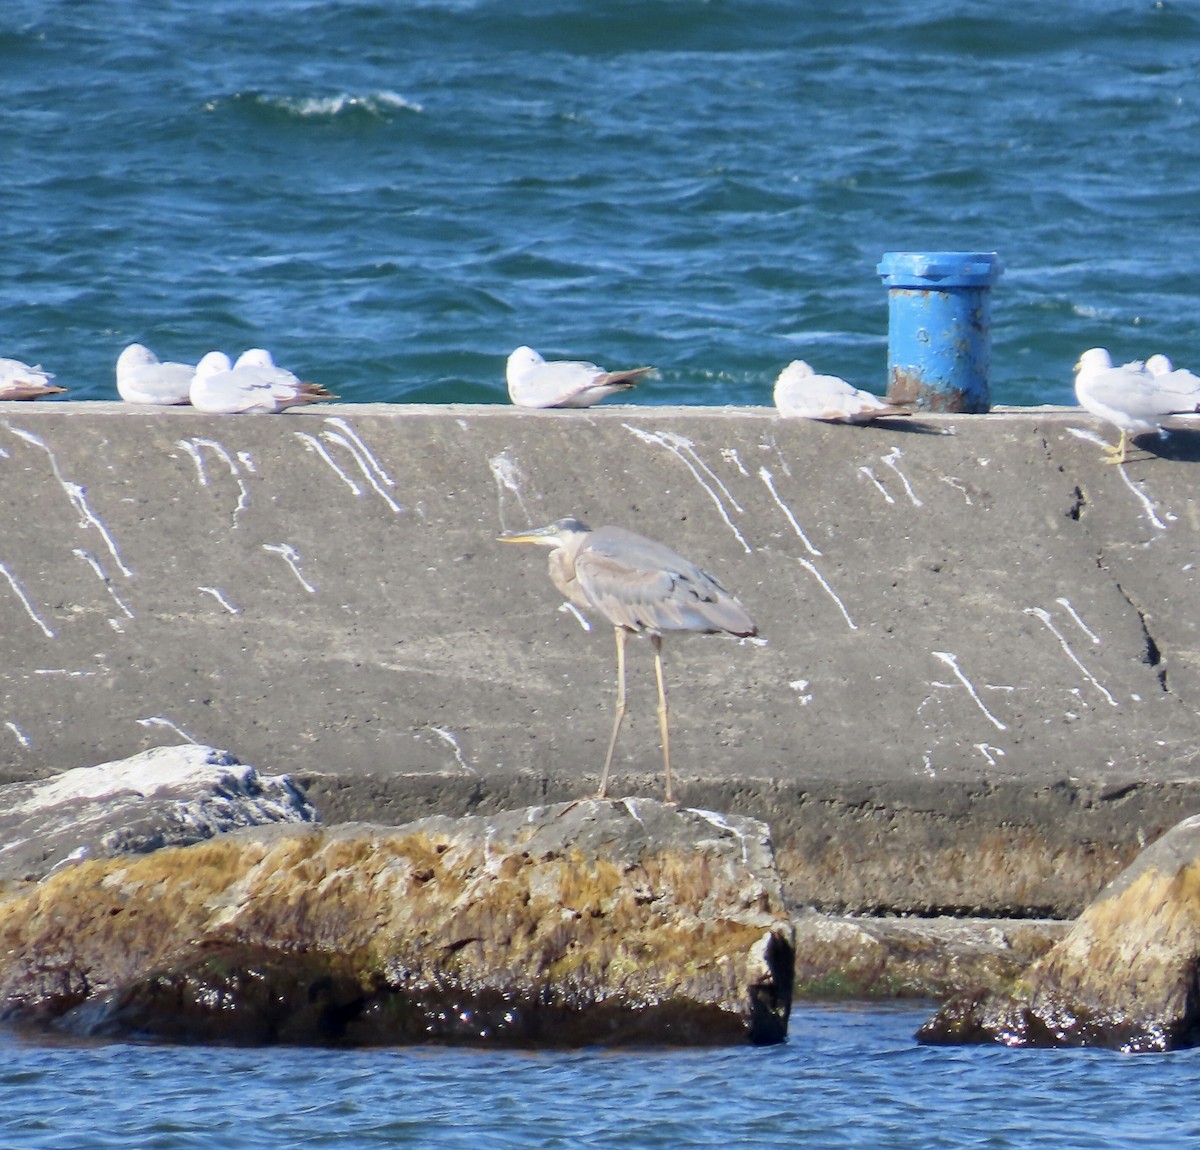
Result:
pixel 166 796
pixel 1125 976
pixel 589 922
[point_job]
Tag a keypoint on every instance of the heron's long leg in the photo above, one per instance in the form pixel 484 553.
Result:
pixel 662 712
pixel 618 711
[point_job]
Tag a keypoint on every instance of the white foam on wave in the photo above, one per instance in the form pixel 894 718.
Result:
pixel 327 107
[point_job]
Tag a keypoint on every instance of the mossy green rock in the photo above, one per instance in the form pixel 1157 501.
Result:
pixel 1127 974
pixel 589 922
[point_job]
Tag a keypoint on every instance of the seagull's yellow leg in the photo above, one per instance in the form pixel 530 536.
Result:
pixel 662 712
pixel 618 711
pixel 1117 454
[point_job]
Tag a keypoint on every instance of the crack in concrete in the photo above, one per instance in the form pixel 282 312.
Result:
pixel 1154 656
pixel 1078 508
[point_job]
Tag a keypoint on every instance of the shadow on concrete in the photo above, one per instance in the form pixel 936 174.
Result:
pixel 1181 444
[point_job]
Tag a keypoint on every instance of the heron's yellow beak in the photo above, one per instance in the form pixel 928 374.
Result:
pixel 536 535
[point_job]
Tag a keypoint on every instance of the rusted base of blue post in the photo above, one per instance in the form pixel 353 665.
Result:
pixel 939 328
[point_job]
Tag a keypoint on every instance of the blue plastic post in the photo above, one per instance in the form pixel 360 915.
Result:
pixel 939 328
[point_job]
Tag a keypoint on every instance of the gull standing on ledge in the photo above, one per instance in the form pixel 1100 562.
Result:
pixel 802 394
pixel 640 587
pixel 532 382
pixel 20 381
pixel 141 378
pixel 1133 397
pixel 253 385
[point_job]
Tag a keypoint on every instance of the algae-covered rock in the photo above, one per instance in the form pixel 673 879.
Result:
pixel 1126 975
pixel 166 796
pixel 588 922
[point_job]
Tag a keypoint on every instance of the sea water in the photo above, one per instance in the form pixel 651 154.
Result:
pixel 847 1078
pixel 392 194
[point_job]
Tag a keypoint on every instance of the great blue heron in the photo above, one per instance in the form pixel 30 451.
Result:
pixel 802 394
pixel 536 382
pixel 640 587
pixel 1135 397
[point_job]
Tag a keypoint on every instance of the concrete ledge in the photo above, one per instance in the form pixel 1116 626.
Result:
pixel 977 691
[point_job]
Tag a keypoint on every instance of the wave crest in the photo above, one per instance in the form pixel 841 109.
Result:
pixel 381 105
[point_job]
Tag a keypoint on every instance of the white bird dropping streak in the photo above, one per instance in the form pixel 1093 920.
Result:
pixel 76 493
pixel 363 466
pixel 871 476
pixel 193 446
pixel 344 426
pixel 1063 602
pixel 1146 501
pixel 19 591
pixel 508 477
pixel 678 445
pixel 159 721
pixel 1048 622
pixel 951 661
pixel 292 558
pixel 810 567
pixel 892 460
pixel 765 475
pixel 94 564
pixel 723 824
pixel 448 738
pixel 317 447
pixel 220 598
pixel 19 735
pixel 88 518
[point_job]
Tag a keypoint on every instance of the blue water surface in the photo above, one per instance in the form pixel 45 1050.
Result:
pixel 391 196
pixel 847 1078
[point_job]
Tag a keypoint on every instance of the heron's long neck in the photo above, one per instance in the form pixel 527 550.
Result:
pixel 562 574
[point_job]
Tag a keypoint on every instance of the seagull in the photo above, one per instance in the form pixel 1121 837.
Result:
pixel 532 382
pixel 20 381
pixel 1136 397
pixel 141 378
pixel 1172 378
pixel 802 394
pixel 254 384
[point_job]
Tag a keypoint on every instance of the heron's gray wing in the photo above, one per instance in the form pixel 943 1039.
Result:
pixel 643 585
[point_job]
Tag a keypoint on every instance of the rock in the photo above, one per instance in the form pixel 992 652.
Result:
pixel 865 958
pixel 167 796
pixel 1126 975
pixel 590 922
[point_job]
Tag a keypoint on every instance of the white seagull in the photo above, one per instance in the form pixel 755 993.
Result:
pixel 142 378
pixel 253 385
pixel 1136 397
pixel 802 394
pixel 20 381
pixel 534 382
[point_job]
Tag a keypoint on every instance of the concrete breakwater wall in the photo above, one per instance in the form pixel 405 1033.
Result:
pixel 976 687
